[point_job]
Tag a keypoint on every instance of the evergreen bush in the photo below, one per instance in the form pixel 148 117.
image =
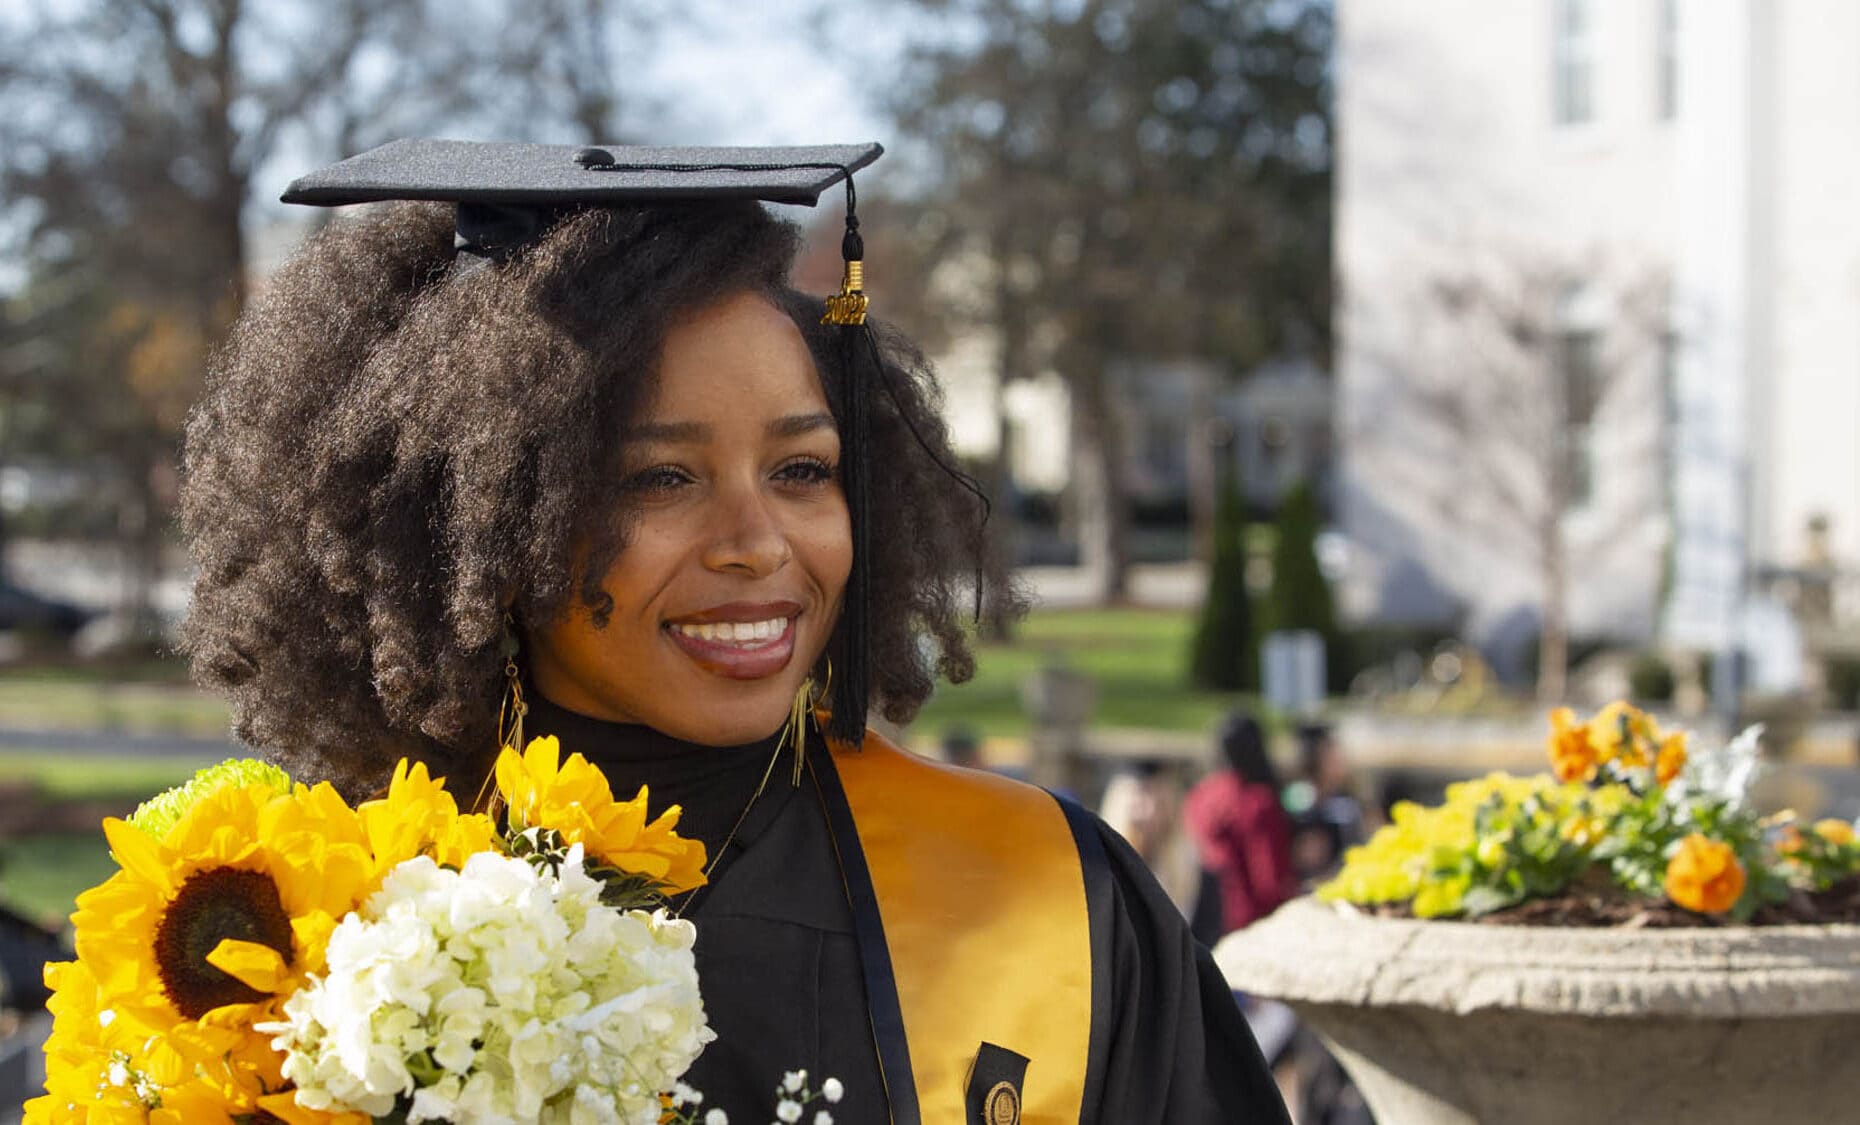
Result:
pixel 1226 652
pixel 1300 597
pixel 1651 679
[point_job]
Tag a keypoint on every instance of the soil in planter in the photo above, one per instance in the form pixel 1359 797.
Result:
pixel 1839 903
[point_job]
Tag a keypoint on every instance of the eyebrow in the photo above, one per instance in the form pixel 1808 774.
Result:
pixel 691 433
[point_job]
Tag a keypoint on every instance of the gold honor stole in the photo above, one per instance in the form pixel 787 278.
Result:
pixel 969 895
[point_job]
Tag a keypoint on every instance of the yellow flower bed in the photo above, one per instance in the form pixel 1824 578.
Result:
pixel 1626 809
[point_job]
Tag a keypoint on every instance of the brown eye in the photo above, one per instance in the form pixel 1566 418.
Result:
pixel 659 478
pixel 806 471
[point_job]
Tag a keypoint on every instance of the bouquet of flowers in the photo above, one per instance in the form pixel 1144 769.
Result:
pixel 1631 824
pixel 269 953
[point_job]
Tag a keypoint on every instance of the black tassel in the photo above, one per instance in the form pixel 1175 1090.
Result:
pixel 852 672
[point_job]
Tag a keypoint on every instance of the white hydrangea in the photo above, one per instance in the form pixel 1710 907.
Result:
pixel 497 993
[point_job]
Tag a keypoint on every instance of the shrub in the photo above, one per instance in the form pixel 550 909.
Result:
pixel 1843 678
pixel 1225 655
pixel 1300 596
pixel 1650 678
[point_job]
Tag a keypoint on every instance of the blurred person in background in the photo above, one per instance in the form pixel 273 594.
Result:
pixel 1241 829
pixel 1326 816
pixel 961 747
pixel 1143 802
pixel 1244 838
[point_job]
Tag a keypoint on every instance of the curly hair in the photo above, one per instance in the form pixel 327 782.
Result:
pixel 395 450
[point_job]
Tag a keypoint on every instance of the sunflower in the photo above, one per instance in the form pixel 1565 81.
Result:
pixel 574 799
pixel 418 817
pixel 206 929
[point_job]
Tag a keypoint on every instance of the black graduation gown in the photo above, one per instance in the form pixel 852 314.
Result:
pixel 783 981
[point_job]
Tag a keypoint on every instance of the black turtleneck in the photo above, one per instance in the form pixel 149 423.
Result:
pixel 777 959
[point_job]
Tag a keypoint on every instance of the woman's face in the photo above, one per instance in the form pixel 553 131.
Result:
pixel 730 581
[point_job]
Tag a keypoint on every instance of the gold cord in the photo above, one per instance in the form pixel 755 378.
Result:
pixel 728 839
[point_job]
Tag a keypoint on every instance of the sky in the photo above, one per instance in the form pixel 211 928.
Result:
pixel 763 77
pixel 736 74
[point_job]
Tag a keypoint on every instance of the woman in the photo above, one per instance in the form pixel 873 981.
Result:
pixel 1242 830
pixel 598 465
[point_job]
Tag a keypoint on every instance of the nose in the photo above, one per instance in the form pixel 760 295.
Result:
pixel 747 536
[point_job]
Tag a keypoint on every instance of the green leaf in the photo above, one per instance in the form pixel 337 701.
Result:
pixel 1483 900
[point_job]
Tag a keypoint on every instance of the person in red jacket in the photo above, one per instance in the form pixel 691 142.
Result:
pixel 1241 829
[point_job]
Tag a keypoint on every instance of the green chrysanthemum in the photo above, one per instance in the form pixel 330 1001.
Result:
pixel 161 812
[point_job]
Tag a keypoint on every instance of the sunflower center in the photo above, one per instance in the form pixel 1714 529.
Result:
pixel 212 906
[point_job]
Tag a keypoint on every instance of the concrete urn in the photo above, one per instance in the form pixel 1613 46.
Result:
pixel 1453 1023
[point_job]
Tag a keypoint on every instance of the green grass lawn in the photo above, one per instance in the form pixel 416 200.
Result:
pixel 67 777
pixel 42 873
pixel 1139 658
pixel 41 876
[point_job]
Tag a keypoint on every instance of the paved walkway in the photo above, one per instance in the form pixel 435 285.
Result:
pixel 1157 585
pixel 107 742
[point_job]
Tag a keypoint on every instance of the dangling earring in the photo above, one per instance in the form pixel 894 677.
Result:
pixel 806 700
pixel 510 713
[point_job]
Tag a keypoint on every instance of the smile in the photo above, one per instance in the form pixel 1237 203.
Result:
pixel 738 641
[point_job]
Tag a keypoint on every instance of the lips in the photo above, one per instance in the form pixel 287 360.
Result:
pixel 740 640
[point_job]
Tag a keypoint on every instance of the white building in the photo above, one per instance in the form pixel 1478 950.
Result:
pixel 1710 146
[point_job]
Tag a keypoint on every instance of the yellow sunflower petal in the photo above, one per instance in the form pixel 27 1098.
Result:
pixel 540 758
pixel 257 966
pixel 139 853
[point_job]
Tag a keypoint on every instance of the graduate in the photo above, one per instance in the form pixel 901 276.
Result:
pixel 547 445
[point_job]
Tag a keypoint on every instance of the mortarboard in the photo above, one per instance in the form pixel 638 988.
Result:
pixel 510 194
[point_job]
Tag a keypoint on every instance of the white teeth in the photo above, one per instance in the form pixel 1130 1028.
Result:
pixel 736 632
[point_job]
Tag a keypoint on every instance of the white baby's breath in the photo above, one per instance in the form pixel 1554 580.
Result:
pixel 497 992
pixel 832 1090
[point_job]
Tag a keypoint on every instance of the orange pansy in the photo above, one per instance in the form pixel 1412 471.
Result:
pixel 1572 755
pixel 1704 875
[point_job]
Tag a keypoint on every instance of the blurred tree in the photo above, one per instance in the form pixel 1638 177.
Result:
pixel 1127 180
pixel 131 136
pixel 1518 395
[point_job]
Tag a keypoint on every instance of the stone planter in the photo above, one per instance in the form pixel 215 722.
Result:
pixel 1448 1023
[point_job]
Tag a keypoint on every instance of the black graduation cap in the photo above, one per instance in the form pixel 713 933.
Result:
pixel 509 194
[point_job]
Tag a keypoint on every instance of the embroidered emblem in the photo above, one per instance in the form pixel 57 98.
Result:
pixel 993 1094
pixel 1003 1105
